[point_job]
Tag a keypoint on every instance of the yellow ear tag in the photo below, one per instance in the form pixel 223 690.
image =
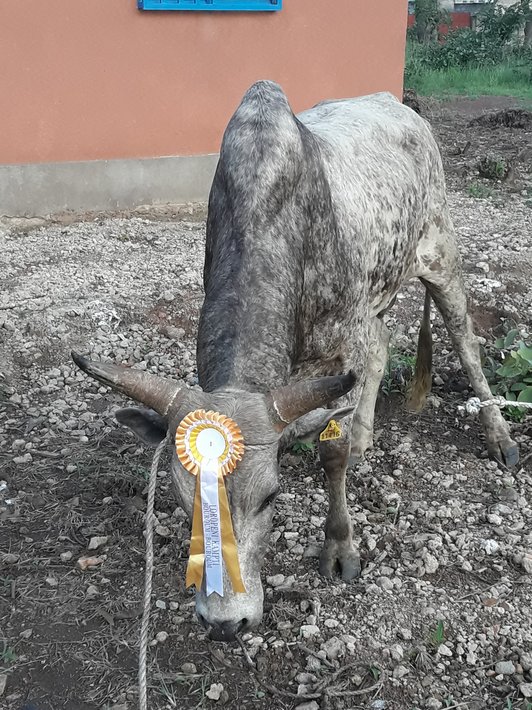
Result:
pixel 331 431
pixel 209 445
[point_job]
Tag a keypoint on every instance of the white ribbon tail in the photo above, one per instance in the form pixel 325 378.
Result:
pixel 211 527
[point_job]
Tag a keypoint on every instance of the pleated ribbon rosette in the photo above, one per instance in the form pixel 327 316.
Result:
pixel 209 445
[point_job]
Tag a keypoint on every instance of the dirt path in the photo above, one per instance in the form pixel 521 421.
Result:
pixel 444 598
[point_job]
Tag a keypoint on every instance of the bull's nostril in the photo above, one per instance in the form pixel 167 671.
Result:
pixel 243 624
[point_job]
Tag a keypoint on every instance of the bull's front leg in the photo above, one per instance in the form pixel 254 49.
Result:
pixel 338 550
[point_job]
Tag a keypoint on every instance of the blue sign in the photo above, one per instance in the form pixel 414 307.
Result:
pixel 212 5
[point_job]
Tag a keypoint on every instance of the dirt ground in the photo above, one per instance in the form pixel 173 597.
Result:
pixel 442 615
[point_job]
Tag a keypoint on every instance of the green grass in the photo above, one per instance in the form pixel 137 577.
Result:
pixel 509 79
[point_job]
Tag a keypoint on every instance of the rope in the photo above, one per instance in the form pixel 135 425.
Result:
pixel 148 574
pixel 474 405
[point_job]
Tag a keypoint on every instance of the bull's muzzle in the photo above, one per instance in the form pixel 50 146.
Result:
pixel 223 630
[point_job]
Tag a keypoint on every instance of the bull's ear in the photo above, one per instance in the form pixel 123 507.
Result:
pixel 308 427
pixel 148 426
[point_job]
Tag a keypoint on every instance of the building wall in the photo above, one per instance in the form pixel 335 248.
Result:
pixel 459 20
pixel 85 80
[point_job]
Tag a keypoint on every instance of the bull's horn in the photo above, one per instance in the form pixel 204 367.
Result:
pixel 155 392
pixel 291 402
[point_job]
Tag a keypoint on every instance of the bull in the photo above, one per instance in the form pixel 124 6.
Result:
pixel 314 223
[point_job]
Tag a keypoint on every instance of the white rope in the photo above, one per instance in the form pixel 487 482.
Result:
pixel 474 405
pixel 148 574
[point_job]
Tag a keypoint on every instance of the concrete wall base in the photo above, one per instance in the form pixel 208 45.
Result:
pixel 39 189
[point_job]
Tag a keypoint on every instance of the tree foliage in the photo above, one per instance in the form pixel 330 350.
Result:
pixel 428 16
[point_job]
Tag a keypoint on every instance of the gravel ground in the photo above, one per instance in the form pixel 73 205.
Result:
pixel 442 615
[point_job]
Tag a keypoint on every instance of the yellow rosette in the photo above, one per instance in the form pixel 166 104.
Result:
pixel 209 445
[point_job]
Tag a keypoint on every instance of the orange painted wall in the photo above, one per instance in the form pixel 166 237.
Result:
pixel 93 79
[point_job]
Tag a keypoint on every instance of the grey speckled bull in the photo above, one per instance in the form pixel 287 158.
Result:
pixel 314 223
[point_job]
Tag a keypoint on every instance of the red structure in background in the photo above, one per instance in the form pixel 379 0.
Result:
pixel 459 20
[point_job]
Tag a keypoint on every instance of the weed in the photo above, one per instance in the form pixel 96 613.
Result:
pixel 493 167
pixel 437 637
pixel 8 655
pixel 479 191
pixel 508 369
pixel 375 672
pixel 301 448
pixel 399 371
pixel 508 74
pixel 143 472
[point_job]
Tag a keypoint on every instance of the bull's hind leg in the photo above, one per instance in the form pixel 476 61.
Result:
pixel 362 431
pixel 338 549
pixel 440 271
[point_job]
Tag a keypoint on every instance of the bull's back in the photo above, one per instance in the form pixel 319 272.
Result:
pixel 386 178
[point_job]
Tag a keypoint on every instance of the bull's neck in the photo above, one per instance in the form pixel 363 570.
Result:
pixel 247 332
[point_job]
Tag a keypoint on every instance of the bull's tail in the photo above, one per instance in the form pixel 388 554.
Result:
pixel 422 380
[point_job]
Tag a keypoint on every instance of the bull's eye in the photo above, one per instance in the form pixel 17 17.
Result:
pixel 269 500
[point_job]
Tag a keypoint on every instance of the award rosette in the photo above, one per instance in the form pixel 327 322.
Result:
pixel 209 445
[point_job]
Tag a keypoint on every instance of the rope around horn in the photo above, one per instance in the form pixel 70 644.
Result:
pixel 148 574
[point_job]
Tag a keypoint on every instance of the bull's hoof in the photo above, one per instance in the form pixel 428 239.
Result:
pixel 506 451
pixel 361 441
pixel 339 556
pixel 356 456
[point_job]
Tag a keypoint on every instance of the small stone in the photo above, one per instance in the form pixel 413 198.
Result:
pixel 313 664
pixel 504 668
pixel 525 659
pixel 491 546
pixel 163 531
pixel 334 648
pixel 385 583
pixel 525 689
pixel 311 705
pixel 10 559
pixel 26 634
pixel 405 634
pixel 275 580
pixel 51 581
pixel 444 650
pixel 174 606
pixel 331 623
pixel 161 636
pixel 89 562
pixel 378 705
pixel 307 631
pixel 71 468
pixel 397 652
pixel 400 672
pixel 160 604
pixel 494 519
pixel 306 678
pixel 215 691
pixel 433 704
pixel 107 500
pixel 92 591
pixel 189 669
pixel 66 556
pixel 430 562
pixel 526 562
pixel 96 542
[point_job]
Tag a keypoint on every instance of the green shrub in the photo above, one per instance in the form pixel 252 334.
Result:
pixel 493 167
pixel 508 369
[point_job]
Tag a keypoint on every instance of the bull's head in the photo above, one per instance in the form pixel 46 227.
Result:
pixel 267 423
